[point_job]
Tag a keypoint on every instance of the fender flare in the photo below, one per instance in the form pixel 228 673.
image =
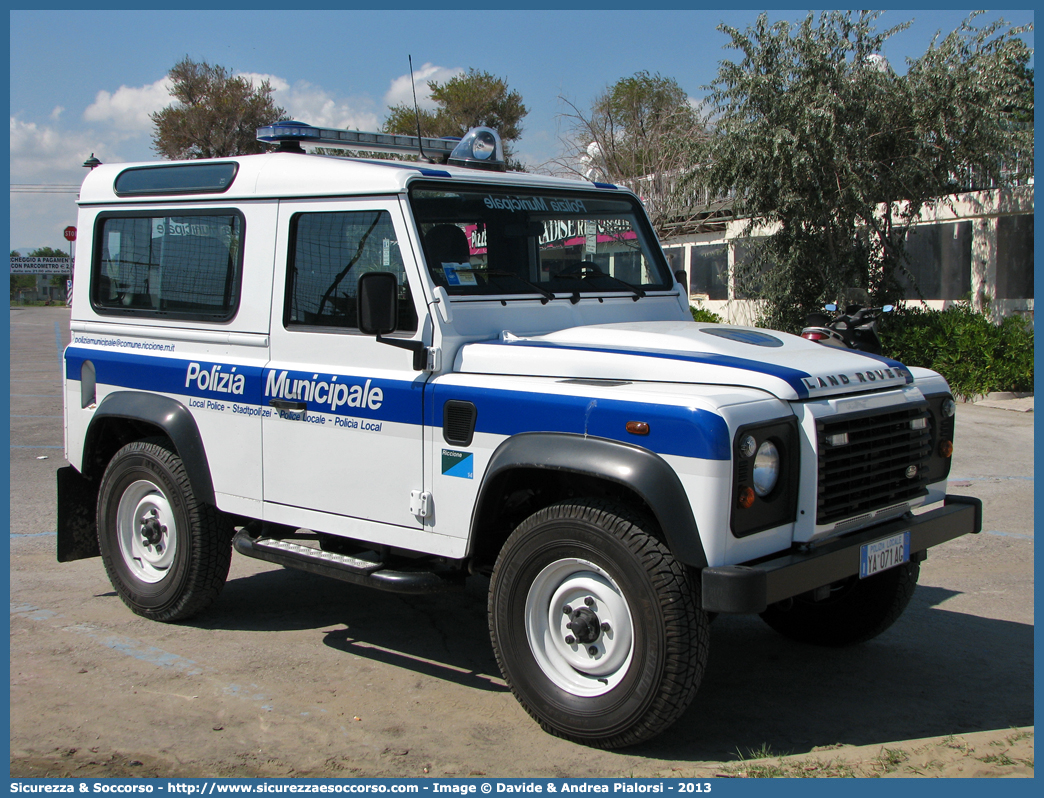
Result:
pixel 639 469
pixel 168 415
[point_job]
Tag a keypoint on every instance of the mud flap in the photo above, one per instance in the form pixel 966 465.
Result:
pixel 77 525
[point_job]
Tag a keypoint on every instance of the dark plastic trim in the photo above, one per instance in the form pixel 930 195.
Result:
pixel 413 582
pixel 170 416
pixel 752 587
pixel 646 472
pixel 77 524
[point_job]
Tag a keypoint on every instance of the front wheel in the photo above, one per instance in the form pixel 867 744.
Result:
pixel 166 553
pixel 595 625
pixel 856 610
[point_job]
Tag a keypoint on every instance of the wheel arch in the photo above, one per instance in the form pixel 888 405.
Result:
pixel 572 461
pixel 124 416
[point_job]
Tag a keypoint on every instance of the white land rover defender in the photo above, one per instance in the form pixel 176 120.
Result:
pixel 400 373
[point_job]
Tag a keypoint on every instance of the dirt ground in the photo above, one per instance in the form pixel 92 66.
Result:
pixel 290 674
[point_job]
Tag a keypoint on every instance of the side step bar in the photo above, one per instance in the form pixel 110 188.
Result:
pixel 345 567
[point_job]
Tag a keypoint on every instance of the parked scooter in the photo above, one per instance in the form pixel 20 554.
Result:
pixel 855 328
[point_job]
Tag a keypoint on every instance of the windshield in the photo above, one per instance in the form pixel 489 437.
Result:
pixel 482 240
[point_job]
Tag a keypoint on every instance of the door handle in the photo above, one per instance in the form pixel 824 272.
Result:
pixel 283 404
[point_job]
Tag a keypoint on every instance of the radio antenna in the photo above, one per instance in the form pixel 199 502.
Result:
pixel 416 110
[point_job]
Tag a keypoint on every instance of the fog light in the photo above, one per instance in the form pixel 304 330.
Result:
pixel 840 439
pixel 919 423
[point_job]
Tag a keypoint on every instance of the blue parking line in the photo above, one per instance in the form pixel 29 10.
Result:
pixel 58 341
pixel 1018 535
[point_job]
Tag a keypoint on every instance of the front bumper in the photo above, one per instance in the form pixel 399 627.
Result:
pixel 752 587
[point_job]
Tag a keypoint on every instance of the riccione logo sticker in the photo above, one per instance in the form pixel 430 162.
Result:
pixel 457 464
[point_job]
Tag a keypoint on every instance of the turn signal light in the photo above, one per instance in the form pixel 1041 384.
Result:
pixel 637 427
pixel 746 498
pixel 945 448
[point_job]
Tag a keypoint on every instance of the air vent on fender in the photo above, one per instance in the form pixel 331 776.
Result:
pixel 458 422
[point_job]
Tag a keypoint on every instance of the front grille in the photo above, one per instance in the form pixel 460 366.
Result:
pixel 870 471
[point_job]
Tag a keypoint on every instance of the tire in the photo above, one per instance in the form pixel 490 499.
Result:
pixel 639 648
pixel 857 610
pixel 166 553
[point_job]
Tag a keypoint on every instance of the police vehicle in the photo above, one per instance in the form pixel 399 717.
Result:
pixel 402 373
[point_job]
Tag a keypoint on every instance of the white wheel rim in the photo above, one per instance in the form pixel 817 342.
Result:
pixel 582 668
pixel 146 531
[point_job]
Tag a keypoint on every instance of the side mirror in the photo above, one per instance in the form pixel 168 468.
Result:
pixel 681 276
pixel 378 303
pixel 378 306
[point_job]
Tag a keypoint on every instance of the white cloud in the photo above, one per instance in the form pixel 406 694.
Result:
pixel 129 107
pixel 401 90
pixel 306 102
pixel 56 113
pixel 257 78
pixel 41 154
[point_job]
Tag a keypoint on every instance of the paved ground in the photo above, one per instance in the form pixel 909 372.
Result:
pixel 291 674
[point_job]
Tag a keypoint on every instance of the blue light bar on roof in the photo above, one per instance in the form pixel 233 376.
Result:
pixel 372 142
pixel 481 148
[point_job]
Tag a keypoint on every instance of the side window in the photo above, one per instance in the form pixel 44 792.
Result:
pixel 328 252
pixel 184 267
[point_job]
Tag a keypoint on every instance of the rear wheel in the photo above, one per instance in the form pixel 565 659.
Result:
pixel 856 610
pixel 166 553
pixel 595 625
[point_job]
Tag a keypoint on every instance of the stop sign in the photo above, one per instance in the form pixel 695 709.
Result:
pixel 70 233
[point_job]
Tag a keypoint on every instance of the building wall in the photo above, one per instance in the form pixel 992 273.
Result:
pixel 976 246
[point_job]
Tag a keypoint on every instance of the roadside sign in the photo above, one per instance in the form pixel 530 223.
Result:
pixel 41 265
pixel 70 233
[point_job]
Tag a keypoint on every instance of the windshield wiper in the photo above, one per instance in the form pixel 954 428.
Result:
pixel 547 295
pixel 636 292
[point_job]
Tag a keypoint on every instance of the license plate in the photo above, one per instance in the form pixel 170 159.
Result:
pixel 883 554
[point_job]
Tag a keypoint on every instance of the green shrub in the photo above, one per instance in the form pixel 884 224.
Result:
pixel 975 355
pixel 702 314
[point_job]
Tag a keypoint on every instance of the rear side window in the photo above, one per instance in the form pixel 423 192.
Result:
pixel 328 252
pixel 185 266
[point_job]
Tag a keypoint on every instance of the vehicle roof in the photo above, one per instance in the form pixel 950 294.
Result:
pixel 280 174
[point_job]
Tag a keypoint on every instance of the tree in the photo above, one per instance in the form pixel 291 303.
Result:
pixel 27 282
pixel 215 115
pixel 20 282
pixel 470 100
pixel 834 154
pixel 637 133
pixel 50 252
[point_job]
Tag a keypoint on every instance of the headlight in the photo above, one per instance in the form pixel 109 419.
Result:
pixel 766 469
pixel 765 475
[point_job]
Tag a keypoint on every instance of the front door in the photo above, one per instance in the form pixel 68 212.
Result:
pixel 343 433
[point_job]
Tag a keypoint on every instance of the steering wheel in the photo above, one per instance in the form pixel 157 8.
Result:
pixel 581 269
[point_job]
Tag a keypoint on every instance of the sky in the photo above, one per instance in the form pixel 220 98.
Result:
pixel 85 82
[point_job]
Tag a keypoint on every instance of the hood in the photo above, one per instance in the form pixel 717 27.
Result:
pixel 785 365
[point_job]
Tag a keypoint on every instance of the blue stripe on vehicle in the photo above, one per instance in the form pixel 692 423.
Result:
pixel 399 401
pixel 392 165
pixel 673 430
pixel 791 376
